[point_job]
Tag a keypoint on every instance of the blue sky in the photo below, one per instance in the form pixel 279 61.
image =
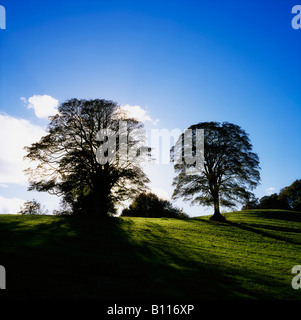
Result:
pixel 182 61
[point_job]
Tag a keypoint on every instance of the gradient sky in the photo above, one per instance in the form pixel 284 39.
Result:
pixel 183 61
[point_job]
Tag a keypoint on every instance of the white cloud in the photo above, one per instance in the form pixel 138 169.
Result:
pixel 161 193
pixel 15 134
pixel 10 206
pixel 44 106
pixel 270 190
pixel 137 113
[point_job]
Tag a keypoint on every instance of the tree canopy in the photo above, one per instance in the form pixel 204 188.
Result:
pixel 273 201
pixel 230 169
pixel 292 194
pixel 32 207
pixel 150 205
pixel 69 160
pixel 289 198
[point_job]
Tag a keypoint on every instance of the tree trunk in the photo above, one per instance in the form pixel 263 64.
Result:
pixel 217 215
pixel 100 204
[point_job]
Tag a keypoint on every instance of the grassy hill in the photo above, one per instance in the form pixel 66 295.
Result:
pixel 249 257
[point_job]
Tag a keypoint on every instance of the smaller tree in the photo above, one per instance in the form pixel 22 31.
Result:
pixel 251 202
pixel 31 207
pixel 150 205
pixel 292 195
pixel 273 202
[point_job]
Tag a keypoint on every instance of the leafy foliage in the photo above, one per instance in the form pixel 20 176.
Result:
pixel 31 207
pixel 292 194
pixel 230 169
pixel 66 159
pixel 150 205
pixel 273 202
pixel 289 198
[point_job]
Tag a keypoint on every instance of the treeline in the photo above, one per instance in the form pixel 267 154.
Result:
pixel 289 198
pixel 146 204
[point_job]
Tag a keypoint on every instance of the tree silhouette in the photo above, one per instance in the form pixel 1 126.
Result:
pixel 150 205
pixel 273 201
pixel 292 194
pixel 230 168
pixel 31 207
pixel 251 202
pixel 82 158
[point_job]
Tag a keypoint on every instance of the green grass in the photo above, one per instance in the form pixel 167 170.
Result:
pixel 249 257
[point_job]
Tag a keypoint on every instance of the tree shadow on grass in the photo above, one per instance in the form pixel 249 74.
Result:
pixel 272 230
pixel 77 258
pixel 287 215
pixel 263 229
pixel 108 259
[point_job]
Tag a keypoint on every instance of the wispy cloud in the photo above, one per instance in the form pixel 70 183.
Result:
pixel 161 193
pixel 137 113
pixel 43 105
pixel 270 190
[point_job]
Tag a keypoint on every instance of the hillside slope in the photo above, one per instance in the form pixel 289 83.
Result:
pixel 249 257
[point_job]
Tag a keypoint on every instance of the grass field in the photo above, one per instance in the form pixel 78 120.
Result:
pixel 249 257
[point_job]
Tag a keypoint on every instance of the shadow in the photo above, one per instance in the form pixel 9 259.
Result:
pixel 103 259
pixel 293 216
pixel 62 257
pixel 261 230
pixel 77 258
pixel 269 223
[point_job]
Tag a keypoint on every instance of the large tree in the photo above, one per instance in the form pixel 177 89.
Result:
pixel 229 171
pixel 82 159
